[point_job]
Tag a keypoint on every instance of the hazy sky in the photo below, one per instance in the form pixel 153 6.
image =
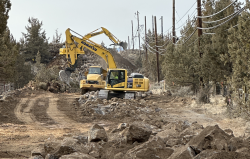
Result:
pixel 85 16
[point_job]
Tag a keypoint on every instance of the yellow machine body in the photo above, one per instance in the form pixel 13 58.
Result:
pixel 116 79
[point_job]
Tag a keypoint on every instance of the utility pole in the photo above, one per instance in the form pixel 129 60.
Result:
pixel 199 31
pixel 162 27
pixel 157 54
pixel 199 22
pixel 128 44
pixel 146 50
pixel 132 35
pixel 139 33
pixel 174 21
pixel 153 25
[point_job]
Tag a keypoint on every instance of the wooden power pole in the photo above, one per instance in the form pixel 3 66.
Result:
pixel 132 35
pixel 153 30
pixel 162 27
pixel 128 44
pixel 146 50
pixel 139 33
pixel 157 54
pixel 174 21
pixel 199 23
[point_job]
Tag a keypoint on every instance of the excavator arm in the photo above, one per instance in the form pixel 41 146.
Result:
pixel 75 46
pixel 108 34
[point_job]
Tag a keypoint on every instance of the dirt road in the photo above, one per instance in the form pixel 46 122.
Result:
pixel 28 120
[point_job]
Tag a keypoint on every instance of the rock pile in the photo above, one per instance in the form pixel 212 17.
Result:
pixel 177 140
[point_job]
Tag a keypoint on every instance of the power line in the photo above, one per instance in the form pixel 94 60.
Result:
pixel 224 21
pixel 186 12
pixel 217 12
pixel 208 22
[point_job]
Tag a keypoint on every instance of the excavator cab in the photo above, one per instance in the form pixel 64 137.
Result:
pixel 116 78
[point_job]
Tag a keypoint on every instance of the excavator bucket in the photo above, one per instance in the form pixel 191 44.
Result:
pixel 65 76
pixel 123 45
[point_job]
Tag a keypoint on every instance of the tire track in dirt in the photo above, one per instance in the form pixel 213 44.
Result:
pixel 19 114
pixel 62 119
pixel 23 110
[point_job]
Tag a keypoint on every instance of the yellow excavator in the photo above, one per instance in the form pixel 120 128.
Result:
pixel 96 75
pixel 118 83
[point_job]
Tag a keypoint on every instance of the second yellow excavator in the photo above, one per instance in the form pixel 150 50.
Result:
pixel 118 83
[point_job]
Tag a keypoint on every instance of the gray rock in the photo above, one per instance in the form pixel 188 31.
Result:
pixel 51 145
pixel 183 152
pixel 120 155
pixel 136 133
pixel 38 151
pixel 211 137
pixel 153 149
pixel 97 133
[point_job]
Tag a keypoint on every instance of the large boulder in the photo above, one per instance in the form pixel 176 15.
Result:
pixel 136 133
pixel 212 137
pixel 77 155
pixel 153 149
pixel 97 133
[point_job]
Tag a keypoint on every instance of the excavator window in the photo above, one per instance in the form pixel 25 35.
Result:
pixel 115 77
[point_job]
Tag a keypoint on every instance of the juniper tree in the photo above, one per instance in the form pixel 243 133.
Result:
pixel 5 6
pixel 35 40
pixel 8 54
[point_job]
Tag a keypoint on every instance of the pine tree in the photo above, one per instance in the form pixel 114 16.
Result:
pixel 5 6
pixel 8 55
pixel 35 40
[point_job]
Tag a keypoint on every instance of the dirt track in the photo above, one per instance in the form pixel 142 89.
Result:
pixel 30 119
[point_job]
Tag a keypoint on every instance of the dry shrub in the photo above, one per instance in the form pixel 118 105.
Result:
pixel 182 91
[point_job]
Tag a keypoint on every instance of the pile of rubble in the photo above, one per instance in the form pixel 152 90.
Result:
pixel 118 109
pixel 178 140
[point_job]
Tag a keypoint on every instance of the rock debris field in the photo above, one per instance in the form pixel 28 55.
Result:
pixel 39 124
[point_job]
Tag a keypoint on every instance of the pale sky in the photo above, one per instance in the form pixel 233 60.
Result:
pixel 85 16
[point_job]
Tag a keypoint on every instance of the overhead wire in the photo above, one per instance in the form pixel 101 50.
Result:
pixel 187 12
pixel 208 22
pixel 224 21
pixel 217 12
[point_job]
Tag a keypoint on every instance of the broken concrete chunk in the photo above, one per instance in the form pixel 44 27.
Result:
pixel 97 133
